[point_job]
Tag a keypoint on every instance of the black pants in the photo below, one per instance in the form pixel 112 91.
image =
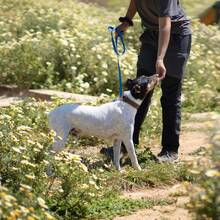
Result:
pixel 175 61
pixel 171 113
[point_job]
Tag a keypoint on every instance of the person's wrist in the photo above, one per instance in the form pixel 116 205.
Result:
pixel 159 60
pixel 126 20
pixel 126 24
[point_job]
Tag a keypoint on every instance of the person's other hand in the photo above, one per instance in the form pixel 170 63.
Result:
pixel 160 69
pixel 122 28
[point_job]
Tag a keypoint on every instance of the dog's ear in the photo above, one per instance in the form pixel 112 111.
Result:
pixel 129 84
pixel 137 89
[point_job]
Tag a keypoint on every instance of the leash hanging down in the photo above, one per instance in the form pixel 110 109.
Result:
pixel 114 39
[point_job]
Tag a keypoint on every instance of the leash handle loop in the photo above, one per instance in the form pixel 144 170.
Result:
pixel 114 40
pixel 120 36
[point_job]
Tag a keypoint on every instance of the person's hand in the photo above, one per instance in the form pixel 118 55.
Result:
pixel 122 28
pixel 160 69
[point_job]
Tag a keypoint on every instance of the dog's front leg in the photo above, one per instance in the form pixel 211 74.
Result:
pixel 117 151
pixel 131 152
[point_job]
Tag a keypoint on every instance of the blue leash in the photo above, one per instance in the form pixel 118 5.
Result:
pixel 112 30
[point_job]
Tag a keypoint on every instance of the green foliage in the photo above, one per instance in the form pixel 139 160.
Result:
pixel 58 47
pixel 201 87
pixel 153 174
pixel 24 205
pixel 205 193
pixel 23 158
pixel 103 208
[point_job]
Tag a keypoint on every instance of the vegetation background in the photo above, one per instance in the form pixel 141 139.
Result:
pixel 65 45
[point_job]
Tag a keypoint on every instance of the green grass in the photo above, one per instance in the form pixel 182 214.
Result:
pixel 112 207
pixel 153 174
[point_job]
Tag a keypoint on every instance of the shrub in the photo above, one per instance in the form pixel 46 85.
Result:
pixel 23 159
pixel 201 87
pixel 26 190
pixel 58 47
pixel 25 205
pixel 205 193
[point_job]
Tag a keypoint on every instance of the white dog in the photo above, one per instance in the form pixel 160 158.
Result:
pixel 113 121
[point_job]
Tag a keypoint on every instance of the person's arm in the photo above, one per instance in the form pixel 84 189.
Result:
pixel 163 42
pixel 130 15
pixel 131 10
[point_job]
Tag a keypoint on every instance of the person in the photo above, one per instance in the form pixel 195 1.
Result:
pixel 165 49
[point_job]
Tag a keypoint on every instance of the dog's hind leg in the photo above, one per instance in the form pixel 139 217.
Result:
pixel 62 133
pixel 117 151
pixel 61 127
pixel 131 152
pixel 58 145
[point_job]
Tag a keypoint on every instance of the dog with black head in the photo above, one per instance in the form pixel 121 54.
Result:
pixel 113 121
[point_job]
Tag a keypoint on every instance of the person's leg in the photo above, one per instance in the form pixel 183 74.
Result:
pixel 177 53
pixel 140 116
pixel 171 113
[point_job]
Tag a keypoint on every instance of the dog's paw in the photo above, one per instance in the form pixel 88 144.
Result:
pixel 123 171
pixel 49 171
pixel 118 169
pixel 138 167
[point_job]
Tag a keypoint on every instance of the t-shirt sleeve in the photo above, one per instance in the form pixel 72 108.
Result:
pixel 167 8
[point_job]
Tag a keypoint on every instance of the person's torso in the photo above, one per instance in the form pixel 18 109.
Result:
pixel 151 10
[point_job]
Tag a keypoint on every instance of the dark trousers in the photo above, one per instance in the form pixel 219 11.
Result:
pixel 171 113
pixel 175 61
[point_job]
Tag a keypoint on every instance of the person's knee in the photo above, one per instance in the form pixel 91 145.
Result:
pixel 171 90
pixel 170 101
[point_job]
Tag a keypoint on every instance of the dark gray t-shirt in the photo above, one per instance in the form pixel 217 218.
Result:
pixel 151 10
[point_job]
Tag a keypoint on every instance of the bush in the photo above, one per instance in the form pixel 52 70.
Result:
pixel 202 83
pixel 205 193
pixel 24 205
pixel 23 161
pixel 58 47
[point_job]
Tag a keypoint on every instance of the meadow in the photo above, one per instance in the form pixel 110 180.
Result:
pixel 65 45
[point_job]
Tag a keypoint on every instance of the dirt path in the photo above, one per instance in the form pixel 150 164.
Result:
pixel 195 135
pixel 6 101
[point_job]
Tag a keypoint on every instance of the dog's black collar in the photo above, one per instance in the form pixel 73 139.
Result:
pixel 130 102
